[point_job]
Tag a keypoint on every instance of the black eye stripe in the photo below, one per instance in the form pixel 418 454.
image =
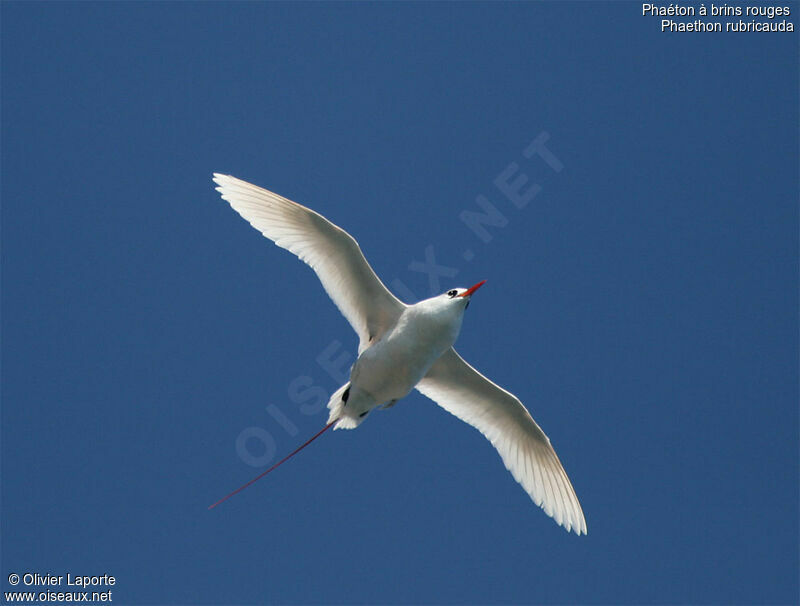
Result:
pixel 452 293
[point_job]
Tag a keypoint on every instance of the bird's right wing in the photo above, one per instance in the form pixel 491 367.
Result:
pixel 329 250
pixel 500 416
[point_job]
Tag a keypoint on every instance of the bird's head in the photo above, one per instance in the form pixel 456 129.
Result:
pixel 461 296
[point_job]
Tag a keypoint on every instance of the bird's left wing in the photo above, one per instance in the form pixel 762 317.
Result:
pixel 329 250
pixel 500 416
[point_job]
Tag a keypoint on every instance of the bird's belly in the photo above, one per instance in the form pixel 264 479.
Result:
pixel 391 368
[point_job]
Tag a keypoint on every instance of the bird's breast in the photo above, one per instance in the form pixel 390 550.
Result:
pixel 391 368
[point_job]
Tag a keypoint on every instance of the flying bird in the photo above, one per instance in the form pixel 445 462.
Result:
pixel 405 347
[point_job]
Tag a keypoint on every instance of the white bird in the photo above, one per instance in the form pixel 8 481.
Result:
pixel 402 347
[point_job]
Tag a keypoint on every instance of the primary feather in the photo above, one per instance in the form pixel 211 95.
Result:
pixel 328 249
pixel 500 416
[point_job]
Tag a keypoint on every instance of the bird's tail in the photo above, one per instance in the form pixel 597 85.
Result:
pixel 336 406
pixel 278 464
pixel 349 410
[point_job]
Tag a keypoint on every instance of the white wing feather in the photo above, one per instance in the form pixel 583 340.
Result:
pixel 329 250
pixel 500 416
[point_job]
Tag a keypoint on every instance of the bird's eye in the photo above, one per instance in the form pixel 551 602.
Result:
pixel 452 293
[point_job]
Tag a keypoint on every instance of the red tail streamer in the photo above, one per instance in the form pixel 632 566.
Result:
pixel 278 464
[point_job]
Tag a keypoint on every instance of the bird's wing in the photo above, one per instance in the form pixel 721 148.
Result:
pixel 329 250
pixel 500 416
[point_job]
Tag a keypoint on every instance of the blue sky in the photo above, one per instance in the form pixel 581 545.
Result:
pixel 643 304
